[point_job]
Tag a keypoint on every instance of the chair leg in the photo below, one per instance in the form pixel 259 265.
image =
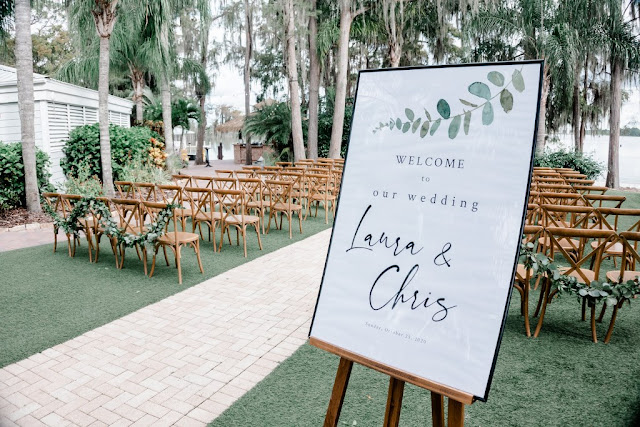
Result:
pixel 604 308
pixel 544 297
pixel 178 262
pixel 244 239
pixel 153 263
pixel 525 309
pixel 166 259
pixel 197 248
pixel 594 333
pixel 258 233
pixel 607 338
pixel 300 221
pixel 289 217
pixel 144 259
pixel 55 239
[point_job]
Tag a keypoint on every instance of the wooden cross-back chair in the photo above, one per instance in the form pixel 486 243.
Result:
pixel 629 270
pixel 577 267
pixel 69 202
pixel 533 214
pixel 174 194
pixel 555 198
pixel 524 276
pixel 281 201
pixel 204 210
pixel 554 188
pixel 251 167
pixel 579 181
pixel 273 168
pixel 284 164
pixel 320 191
pixel 171 238
pixel 130 220
pixel 124 189
pixel 233 210
pixel 268 174
pixel 620 220
pixel 254 198
pixel 299 188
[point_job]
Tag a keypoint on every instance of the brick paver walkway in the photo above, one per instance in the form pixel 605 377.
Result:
pixel 181 361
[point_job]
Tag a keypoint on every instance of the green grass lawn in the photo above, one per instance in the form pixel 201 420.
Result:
pixel 47 298
pixel 558 379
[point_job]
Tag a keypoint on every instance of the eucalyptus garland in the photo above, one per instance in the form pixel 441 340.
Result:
pixel 71 224
pixel 594 293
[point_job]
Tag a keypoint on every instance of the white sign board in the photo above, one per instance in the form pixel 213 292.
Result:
pixel 424 245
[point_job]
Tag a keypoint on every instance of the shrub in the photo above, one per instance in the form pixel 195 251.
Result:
pixel 127 145
pixel 174 163
pixel 144 172
pixel 12 192
pixel 584 163
pixel 84 184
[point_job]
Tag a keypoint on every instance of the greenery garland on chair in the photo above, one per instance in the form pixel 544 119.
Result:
pixel 71 224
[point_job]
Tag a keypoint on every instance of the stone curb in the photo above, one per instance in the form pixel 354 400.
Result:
pixel 28 227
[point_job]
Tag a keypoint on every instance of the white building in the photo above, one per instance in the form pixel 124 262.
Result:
pixel 59 108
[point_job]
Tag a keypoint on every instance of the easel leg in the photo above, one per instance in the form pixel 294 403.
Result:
pixel 394 403
pixel 437 409
pixel 339 390
pixel 456 414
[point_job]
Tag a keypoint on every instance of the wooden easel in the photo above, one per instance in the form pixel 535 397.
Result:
pixel 457 399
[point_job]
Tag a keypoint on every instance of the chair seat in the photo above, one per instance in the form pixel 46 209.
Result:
pixel 183 237
pixel 565 243
pixel 614 276
pixel 610 249
pixel 206 216
pixel 321 197
pixel 184 212
pixel 521 273
pixel 591 275
pixel 237 219
pixel 257 204
pixel 286 207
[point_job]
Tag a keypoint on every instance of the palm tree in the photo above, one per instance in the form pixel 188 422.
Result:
pixel 24 68
pixel 182 111
pixel 292 74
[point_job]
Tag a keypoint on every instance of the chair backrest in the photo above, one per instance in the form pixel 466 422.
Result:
pixel 577 217
pixel 252 188
pixel 554 198
pixel 129 214
pixel 224 183
pixel 283 164
pixel 251 167
pixel 182 180
pixel 562 241
pixel 169 193
pixel 202 181
pixel 125 189
pixel 151 211
pixel 231 203
pixel 279 191
pixel 318 185
pixel 604 200
pixel 224 173
pixel 54 201
pixel 623 219
pixel 145 191
pixel 630 256
pixel 244 174
pixel 267 174
pixel 200 199
pixel 590 189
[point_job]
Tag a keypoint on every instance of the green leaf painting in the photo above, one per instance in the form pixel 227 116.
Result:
pixel 443 109
pixel 484 107
pixel 480 89
pixel 496 78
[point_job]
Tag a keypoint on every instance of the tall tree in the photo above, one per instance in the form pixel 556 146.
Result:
pixel 24 68
pixel 314 83
pixel 294 90
pixel 347 15
pixel 248 52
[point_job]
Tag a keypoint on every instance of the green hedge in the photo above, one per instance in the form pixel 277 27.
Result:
pixel 12 193
pixel 584 163
pixel 128 145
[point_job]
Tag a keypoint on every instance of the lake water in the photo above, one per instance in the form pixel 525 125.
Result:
pixel 598 147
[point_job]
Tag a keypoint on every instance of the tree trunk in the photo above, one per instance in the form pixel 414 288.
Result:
pixel 247 76
pixel 613 174
pixel 575 120
pixel 346 18
pixel 137 79
pixel 294 90
pixel 542 130
pixel 165 91
pixel 314 84
pixel 103 118
pixel 202 128
pixel 585 87
pixel 24 68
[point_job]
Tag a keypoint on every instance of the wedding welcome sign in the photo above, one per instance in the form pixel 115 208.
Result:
pixel 424 245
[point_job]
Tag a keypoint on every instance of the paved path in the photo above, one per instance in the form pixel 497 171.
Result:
pixel 181 361
pixel 10 240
